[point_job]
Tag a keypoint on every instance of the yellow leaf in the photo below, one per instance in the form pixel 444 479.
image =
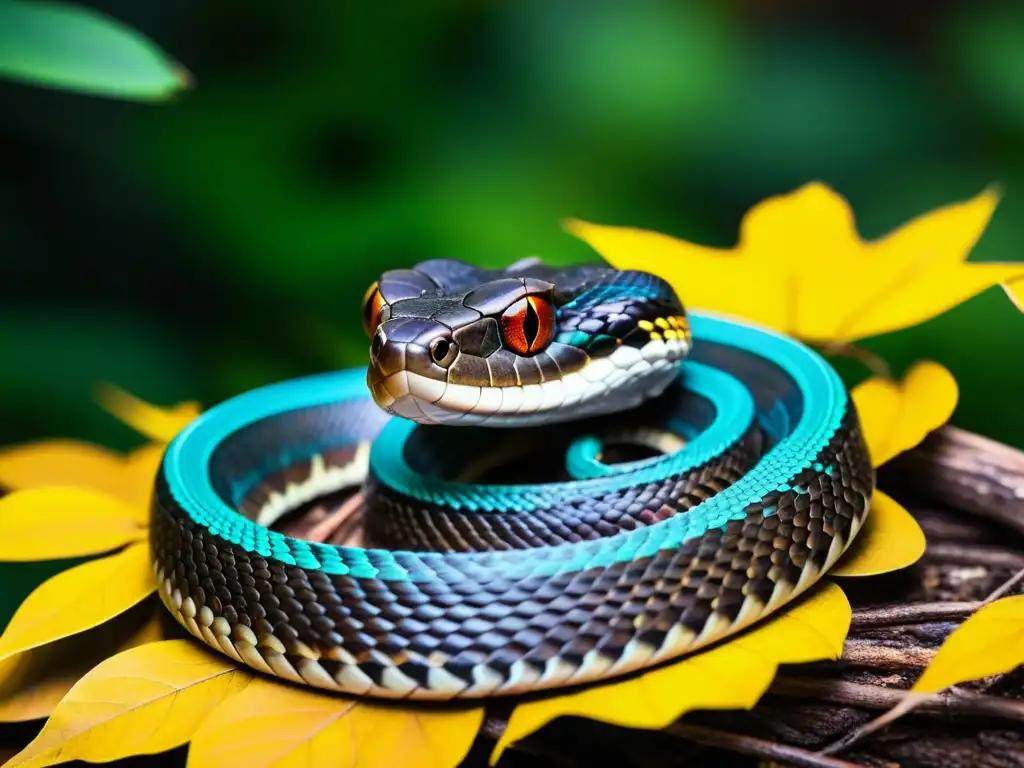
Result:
pixel 159 424
pixel 733 675
pixel 69 463
pixel 62 462
pixel 29 690
pixel 58 522
pixel 32 683
pixel 269 725
pixel 152 630
pixel 802 267
pixel 989 643
pixel 896 416
pixel 1015 290
pixel 78 599
pixel 890 539
pixel 145 700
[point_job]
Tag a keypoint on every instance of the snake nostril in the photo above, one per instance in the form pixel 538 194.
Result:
pixel 443 351
pixel 439 349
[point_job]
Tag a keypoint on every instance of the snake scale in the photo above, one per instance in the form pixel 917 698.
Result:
pixel 565 477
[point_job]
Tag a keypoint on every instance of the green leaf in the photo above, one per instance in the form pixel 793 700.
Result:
pixel 78 49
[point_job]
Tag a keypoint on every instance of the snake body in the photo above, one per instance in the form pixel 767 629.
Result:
pixel 566 478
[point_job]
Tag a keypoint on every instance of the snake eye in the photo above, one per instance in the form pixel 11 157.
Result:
pixel 373 303
pixel 528 326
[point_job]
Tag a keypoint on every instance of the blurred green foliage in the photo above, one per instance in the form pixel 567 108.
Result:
pixel 71 47
pixel 223 240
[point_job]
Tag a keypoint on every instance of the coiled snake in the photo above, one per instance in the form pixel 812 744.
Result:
pixel 562 498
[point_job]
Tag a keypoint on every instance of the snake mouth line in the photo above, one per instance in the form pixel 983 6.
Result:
pixel 594 389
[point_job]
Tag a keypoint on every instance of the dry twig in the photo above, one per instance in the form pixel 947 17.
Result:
pixel 748 745
pixel 863 653
pixel 878 656
pixel 919 613
pixel 333 523
pixel 875 697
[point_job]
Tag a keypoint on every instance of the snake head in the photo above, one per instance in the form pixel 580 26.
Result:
pixel 455 344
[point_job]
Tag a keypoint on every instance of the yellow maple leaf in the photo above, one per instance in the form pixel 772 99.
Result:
pixel 801 266
pixel 890 540
pixel 92 500
pixel 78 599
pixel 989 642
pixel 157 423
pixel 79 522
pixel 145 700
pixel 1015 290
pixel 63 462
pixel 897 415
pixel 33 682
pixel 71 464
pixel 269 725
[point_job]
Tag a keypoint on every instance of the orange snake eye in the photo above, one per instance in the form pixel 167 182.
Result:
pixel 373 303
pixel 528 326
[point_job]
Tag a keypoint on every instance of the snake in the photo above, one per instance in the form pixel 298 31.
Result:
pixel 565 477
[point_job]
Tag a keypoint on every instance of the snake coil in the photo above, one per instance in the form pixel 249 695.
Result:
pixel 564 478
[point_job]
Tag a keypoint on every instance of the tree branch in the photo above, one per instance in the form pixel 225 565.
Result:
pixel 867 654
pixel 919 613
pixel 969 554
pixel 748 745
pixel 967 471
pixel 875 697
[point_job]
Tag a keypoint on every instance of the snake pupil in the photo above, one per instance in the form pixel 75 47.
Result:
pixel 531 325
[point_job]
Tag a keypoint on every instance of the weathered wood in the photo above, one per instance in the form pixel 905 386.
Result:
pixel 919 613
pixel 968 472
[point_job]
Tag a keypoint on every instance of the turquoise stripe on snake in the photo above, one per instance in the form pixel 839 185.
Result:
pixel 188 458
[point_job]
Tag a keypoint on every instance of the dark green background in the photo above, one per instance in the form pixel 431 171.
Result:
pixel 195 249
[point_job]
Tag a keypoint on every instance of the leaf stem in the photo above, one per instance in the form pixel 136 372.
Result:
pixel 872 726
pixel 1005 587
